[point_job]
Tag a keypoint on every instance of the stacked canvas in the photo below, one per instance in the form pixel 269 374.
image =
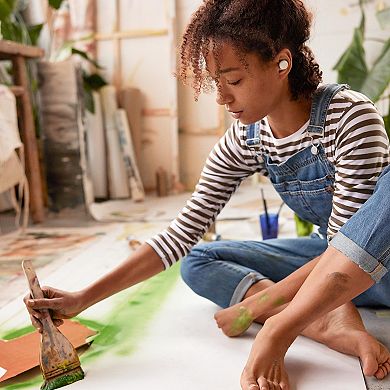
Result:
pixel 111 152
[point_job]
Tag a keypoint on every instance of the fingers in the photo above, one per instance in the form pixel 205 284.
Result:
pixel 58 322
pixel 34 315
pixel 45 303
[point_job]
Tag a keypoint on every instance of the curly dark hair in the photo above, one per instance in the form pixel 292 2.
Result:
pixel 263 27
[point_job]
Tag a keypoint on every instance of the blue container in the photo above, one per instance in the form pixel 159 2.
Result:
pixel 269 229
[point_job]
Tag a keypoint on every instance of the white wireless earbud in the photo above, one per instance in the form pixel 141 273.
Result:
pixel 283 64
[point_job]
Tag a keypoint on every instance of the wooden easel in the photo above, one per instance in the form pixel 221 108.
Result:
pixel 18 54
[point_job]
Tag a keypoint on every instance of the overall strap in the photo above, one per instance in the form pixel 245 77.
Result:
pixel 253 134
pixel 319 107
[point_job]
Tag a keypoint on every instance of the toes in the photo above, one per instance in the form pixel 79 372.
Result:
pixel 381 373
pixel 383 370
pixel 284 386
pixel 370 364
pixel 264 384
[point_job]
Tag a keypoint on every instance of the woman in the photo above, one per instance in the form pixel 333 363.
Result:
pixel 323 149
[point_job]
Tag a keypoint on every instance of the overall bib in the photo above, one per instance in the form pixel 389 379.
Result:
pixel 223 271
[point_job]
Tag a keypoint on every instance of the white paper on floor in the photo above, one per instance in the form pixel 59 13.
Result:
pixel 184 349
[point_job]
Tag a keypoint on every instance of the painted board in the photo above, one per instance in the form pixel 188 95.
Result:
pixel 18 355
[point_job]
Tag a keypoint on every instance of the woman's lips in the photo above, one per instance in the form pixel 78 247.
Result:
pixel 235 114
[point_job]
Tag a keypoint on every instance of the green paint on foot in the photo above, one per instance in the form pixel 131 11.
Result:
pixel 263 298
pixel 243 321
pixel 279 301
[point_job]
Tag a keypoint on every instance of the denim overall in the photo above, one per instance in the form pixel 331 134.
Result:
pixel 223 271
pixel 305 181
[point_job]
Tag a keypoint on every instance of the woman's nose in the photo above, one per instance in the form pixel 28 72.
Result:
pixel 223 97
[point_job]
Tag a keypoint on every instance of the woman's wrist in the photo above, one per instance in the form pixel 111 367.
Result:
pixel 84 297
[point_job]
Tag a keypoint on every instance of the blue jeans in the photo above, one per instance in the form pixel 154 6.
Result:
pixel 223 271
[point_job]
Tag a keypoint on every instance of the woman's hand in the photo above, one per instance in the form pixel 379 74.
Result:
pixel 62 304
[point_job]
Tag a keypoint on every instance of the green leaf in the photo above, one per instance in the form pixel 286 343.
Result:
pixel 34 33
pixel 94 81
pixel 56 4
pixel 6 9
pixel 378 78
pixel 11 31
pixel 352 67
pixel 85 55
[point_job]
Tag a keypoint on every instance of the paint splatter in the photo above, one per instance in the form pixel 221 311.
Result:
pixel 279 301
pixel 243 321
pixel 263 298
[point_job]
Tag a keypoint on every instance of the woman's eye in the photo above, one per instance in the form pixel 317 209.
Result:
pixel 234 82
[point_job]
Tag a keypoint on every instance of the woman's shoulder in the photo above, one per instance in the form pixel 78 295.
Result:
pixel 347 98
pixel 348 104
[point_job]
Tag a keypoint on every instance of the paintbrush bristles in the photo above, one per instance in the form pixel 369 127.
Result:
pixel 63 380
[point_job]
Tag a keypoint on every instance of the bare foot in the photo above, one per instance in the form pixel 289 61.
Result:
pixel 265 368
pixel 234 320
pixel 343 330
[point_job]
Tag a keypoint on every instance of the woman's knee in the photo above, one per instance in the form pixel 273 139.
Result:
pixel 191 264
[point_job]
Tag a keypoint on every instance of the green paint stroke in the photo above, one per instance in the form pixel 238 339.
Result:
pixel 13 334
pixel 126 324
pixel 35 382
pixel 243 321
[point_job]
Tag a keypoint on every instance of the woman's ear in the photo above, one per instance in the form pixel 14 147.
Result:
pixel 284 61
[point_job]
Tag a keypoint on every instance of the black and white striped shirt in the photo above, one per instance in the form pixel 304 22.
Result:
pixel 354 140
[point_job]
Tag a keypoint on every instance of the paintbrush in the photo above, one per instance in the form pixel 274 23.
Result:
pixel 265 209
pixel 60 364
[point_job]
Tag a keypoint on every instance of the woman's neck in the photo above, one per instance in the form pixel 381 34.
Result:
pixel 289 117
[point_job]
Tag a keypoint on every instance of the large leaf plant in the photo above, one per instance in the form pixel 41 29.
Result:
pixel 353 68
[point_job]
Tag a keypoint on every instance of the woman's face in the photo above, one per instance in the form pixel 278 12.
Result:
pixel 248 93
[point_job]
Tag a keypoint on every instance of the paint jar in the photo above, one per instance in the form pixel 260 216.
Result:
pixel 269 226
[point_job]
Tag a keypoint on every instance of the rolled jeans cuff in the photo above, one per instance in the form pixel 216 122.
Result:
pixel 244 285
pixel 359 256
